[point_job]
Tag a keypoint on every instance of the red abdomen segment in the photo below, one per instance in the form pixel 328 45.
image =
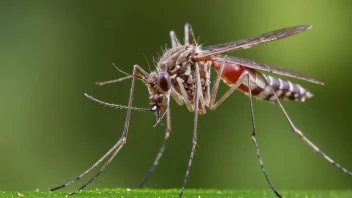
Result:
pixel 231 72
pixel 259 86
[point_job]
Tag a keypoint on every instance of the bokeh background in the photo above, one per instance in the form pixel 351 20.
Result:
pixel 52 52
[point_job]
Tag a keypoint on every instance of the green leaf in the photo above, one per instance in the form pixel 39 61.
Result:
pixel 189 193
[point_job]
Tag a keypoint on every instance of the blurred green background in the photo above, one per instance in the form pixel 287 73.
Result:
pixel 52 52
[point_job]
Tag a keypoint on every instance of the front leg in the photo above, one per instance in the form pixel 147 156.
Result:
pixel 113 151
pixel 197 93
pixel 161 150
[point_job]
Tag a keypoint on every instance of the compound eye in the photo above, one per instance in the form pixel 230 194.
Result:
pixel 164 81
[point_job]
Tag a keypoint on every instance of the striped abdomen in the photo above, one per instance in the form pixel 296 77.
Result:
pixel 259 86
pixel 283 89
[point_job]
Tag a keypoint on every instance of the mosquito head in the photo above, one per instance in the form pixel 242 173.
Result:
pixel 159 85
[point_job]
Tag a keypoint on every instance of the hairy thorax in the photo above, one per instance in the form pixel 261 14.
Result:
pixel 177 62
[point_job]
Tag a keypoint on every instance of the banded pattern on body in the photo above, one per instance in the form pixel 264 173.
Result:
pixel 284 89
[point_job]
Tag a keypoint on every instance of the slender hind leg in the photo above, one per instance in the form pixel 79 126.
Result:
pixel 213 105
pixel 215 88
pixel 161 150
pixel 255 141
pixel 194 139
pixel 306 140
pixel 115 148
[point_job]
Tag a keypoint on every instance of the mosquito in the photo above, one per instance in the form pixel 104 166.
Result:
pixel 183 72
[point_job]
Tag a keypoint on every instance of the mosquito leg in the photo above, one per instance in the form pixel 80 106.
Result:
pixel 215 88
pixel 184 94
pixel 174 40
pixel 122 142
pixel 207 67
pixel 189 31
pixel 255 142
pixel 92 167
pixel 176 96
pixel 87 171
pixel 116 147
pixel 161 150
pixel 123 138
pixel 194 139
pixel 199 89
pixel 213 106
pixel 306 140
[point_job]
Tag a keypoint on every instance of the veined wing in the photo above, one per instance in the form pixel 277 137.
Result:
pixel 268 68
pixel 247 43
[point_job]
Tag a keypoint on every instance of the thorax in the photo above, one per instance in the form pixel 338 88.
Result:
pixel 178 63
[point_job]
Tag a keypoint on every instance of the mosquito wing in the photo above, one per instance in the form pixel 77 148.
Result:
pixel 247 43
pixel 268 68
